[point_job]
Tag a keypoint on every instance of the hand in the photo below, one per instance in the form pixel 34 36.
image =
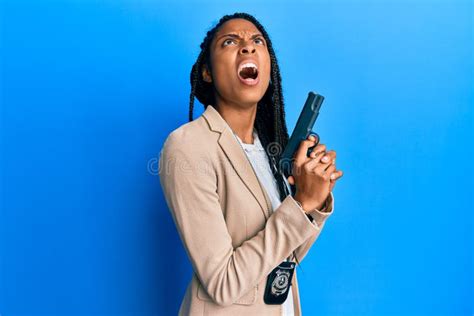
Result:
pixel 315 176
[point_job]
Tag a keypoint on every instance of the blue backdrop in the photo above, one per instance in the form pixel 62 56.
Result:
pixel 90 90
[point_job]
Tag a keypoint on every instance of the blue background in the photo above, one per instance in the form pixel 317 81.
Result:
pixel 90 90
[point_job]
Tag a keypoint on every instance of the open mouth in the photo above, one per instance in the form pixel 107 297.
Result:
pixel 248 73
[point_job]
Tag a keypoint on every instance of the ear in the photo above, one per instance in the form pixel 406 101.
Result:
pixel 206 74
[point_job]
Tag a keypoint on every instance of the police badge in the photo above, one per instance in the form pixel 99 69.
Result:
pixel 279 283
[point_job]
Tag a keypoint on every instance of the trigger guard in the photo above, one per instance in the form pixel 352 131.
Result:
pixel 310 149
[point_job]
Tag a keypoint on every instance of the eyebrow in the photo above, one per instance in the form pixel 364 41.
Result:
pixel 237 36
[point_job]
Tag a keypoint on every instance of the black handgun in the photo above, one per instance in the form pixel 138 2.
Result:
pixel 302 130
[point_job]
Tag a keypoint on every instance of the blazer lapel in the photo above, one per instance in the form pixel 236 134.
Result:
pixel 237 157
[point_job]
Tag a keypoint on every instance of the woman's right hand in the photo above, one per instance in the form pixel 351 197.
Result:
pixel 312 175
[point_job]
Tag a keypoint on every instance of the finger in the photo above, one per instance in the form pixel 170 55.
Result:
pixel 320 158
pixel 317 149
pixel 329 170
pixel 336 175
pixel 316 137
pixel 316 142
pixel 329 159
pixel 301 154
pixel 313 163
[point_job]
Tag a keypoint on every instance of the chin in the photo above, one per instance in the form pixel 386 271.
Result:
pixel 250 98
pixel 250 94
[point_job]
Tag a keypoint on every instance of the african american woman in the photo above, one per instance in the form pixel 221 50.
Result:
pixel 232 211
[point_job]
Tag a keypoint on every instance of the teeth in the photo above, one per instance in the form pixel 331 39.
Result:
pixel 250 65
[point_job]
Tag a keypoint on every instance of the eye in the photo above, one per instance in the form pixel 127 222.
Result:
pixel 227 41
pixel 260 40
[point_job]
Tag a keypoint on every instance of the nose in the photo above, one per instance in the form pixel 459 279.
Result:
pixel 247 48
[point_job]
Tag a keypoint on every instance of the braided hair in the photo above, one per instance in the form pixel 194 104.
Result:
pixel 270 117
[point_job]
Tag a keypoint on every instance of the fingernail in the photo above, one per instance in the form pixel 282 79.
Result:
pixel 311 137
pixel 325 158
pixel 333 176
pixel 334 161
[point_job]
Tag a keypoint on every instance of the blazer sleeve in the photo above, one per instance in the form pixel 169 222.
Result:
pixel 319 219
pixel 190 188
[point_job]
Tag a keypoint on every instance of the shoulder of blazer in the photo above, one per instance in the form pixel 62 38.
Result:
pixel 237 157
pixel 198 135
pixel 205 135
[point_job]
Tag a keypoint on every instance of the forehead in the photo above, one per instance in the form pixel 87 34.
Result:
pixel 241 27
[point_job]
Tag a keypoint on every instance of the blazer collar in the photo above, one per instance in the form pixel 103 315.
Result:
pixel 237 157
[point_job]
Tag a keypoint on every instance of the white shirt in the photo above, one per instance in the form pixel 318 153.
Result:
pixel 260 163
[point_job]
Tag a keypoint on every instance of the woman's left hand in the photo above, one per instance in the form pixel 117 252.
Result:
pixel 329 159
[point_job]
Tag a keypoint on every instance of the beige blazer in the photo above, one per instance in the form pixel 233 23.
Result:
pixel 224 218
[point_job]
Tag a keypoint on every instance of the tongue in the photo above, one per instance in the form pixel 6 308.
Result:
pixel 247 73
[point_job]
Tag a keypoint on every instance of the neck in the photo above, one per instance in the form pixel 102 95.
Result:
pixel 240 119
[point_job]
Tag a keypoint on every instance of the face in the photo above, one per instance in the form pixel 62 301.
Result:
pixel 240 64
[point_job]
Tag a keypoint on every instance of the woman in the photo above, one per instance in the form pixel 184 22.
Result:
pixel 233 214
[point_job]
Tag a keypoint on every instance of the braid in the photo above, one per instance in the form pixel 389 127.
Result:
pixel 195 75
pixel 270 118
